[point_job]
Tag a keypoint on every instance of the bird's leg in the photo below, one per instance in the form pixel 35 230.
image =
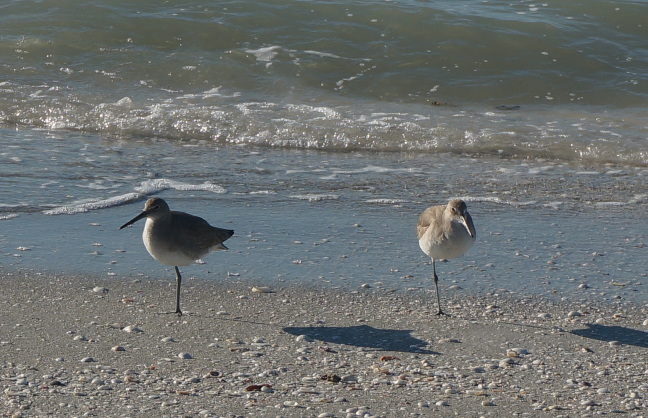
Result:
pixel 436 285
pixel 178 282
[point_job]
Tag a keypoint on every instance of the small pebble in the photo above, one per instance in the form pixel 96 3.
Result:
pixel 87 360
pixel 304 338
pixel 118 348
pixel 262 289
pixel 132 329
pixel 184 356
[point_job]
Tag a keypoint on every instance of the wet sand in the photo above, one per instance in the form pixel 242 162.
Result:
pixel 85 346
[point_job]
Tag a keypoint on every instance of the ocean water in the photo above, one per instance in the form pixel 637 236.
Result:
pixel 319 130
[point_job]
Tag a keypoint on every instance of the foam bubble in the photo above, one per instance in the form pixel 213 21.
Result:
pixel 494 199
pixel 264 54
pixel 314 197
pixel 87 206
pixel 386 201
pixel 377 169
pixel 156 185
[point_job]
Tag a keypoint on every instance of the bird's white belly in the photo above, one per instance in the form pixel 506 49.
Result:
pixel 452 246
pixel 161 250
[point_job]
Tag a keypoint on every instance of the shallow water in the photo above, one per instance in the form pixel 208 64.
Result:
pixel 336 219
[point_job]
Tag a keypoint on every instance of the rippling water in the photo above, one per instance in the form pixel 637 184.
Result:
pixel 565 81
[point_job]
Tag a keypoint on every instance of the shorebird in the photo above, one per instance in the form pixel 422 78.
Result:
pixel 445 232
pixel 177 238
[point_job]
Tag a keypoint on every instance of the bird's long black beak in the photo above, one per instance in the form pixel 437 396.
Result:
pixel 135 219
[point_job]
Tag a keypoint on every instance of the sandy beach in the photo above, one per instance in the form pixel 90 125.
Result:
pixel 82 346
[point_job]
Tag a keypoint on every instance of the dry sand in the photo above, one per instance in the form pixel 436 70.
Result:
pixel 302 352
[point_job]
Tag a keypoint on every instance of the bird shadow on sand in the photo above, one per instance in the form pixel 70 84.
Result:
pixel 623 335
pixel 365 336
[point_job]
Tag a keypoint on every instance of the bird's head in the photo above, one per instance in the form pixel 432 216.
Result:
pixel 154 208
pixel 458 211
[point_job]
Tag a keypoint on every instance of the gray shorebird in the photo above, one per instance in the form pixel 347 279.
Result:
pixel 445 231
pixel 177 238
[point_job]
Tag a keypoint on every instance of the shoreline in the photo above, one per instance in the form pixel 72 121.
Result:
pixel 311 352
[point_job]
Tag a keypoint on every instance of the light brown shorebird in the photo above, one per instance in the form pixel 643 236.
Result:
pixel 177 238
pixel 443 232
